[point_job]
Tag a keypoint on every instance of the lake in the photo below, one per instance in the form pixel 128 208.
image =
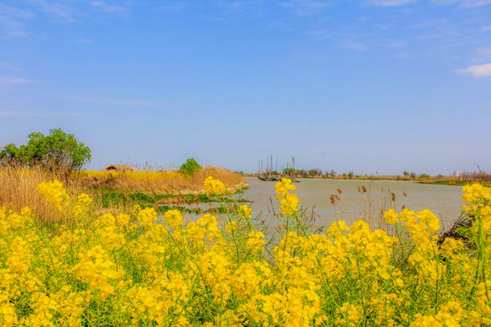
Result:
pixel 314 194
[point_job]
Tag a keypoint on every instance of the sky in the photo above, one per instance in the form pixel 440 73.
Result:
pixel 369 86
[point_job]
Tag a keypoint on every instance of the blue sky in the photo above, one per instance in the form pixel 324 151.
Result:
pixel 376 86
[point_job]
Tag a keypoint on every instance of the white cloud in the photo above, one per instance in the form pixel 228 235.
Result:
pixel 464 3
pixel 356 46
pixel 55 8
pixel 103 6
pixel 389 3
pixel 306 7
pixel 68 11
pixel 8 80
pixel 477 70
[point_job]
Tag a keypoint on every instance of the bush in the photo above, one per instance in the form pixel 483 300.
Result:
pixel 190 167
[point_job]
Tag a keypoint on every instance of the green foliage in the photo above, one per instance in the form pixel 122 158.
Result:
pixel 350 175
pixel 424 176
pixel 190 167
pixel 58 150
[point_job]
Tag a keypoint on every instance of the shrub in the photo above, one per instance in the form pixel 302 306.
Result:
pixel 190 167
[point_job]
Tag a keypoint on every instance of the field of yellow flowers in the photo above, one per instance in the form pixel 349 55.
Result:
pixel 137 269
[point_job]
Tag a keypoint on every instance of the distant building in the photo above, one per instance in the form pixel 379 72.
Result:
pixel 120 168
pixel 457 173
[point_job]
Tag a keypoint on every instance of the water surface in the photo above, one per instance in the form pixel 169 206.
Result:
pixel 445 201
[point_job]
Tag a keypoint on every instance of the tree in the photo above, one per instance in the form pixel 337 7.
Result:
pixel 350 175
pixel 190 167
pixel 10 155
pixel 332 172
pixel 406 173
pixel 58 150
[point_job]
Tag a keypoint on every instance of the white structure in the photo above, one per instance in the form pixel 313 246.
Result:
pixel 457 173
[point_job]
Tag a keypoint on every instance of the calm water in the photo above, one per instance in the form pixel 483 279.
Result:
pixel 444 201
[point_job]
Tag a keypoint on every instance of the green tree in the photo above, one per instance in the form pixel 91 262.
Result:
pixel 58 150
pixel 10 155
pixel 350 175
pixel 190 167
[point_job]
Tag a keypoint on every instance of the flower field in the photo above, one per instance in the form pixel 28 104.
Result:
pixel 135 268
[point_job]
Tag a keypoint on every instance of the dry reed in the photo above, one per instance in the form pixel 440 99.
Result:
pixel 163 182
pixel 18 188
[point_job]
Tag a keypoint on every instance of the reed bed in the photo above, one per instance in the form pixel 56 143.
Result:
pixel 162 182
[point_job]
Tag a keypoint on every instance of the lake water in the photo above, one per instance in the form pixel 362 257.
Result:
pixel 314 194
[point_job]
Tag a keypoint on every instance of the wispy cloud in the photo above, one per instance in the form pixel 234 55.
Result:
pixel 12 21
pixel 306 7
pixel 464 3
pixel 69 11
pixel 389 3
pixel 173 6
pixel 55 8
pixel 476 70
pixel 356 46
pixel 119 102
pixel 483 55
pixel 396 44
pixel 103 6
pixel 9 80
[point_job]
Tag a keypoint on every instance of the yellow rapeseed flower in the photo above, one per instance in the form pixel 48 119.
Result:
pixel 213 186
pixel 173 218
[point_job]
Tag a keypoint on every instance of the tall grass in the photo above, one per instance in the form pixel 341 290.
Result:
pixel 19 188
pixel 160 182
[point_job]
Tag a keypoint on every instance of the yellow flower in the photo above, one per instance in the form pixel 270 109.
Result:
pixel 54 193
pixel 289 204
pixel 245 211
pixel 173 218
pixel 146 217
pixel 391 217
pixel 285 185
pixel 213 186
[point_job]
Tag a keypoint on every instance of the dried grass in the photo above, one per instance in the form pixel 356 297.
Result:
pixel 19 189
pixel 162 182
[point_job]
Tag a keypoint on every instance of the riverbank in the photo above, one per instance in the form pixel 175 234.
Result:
pixel 452 181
